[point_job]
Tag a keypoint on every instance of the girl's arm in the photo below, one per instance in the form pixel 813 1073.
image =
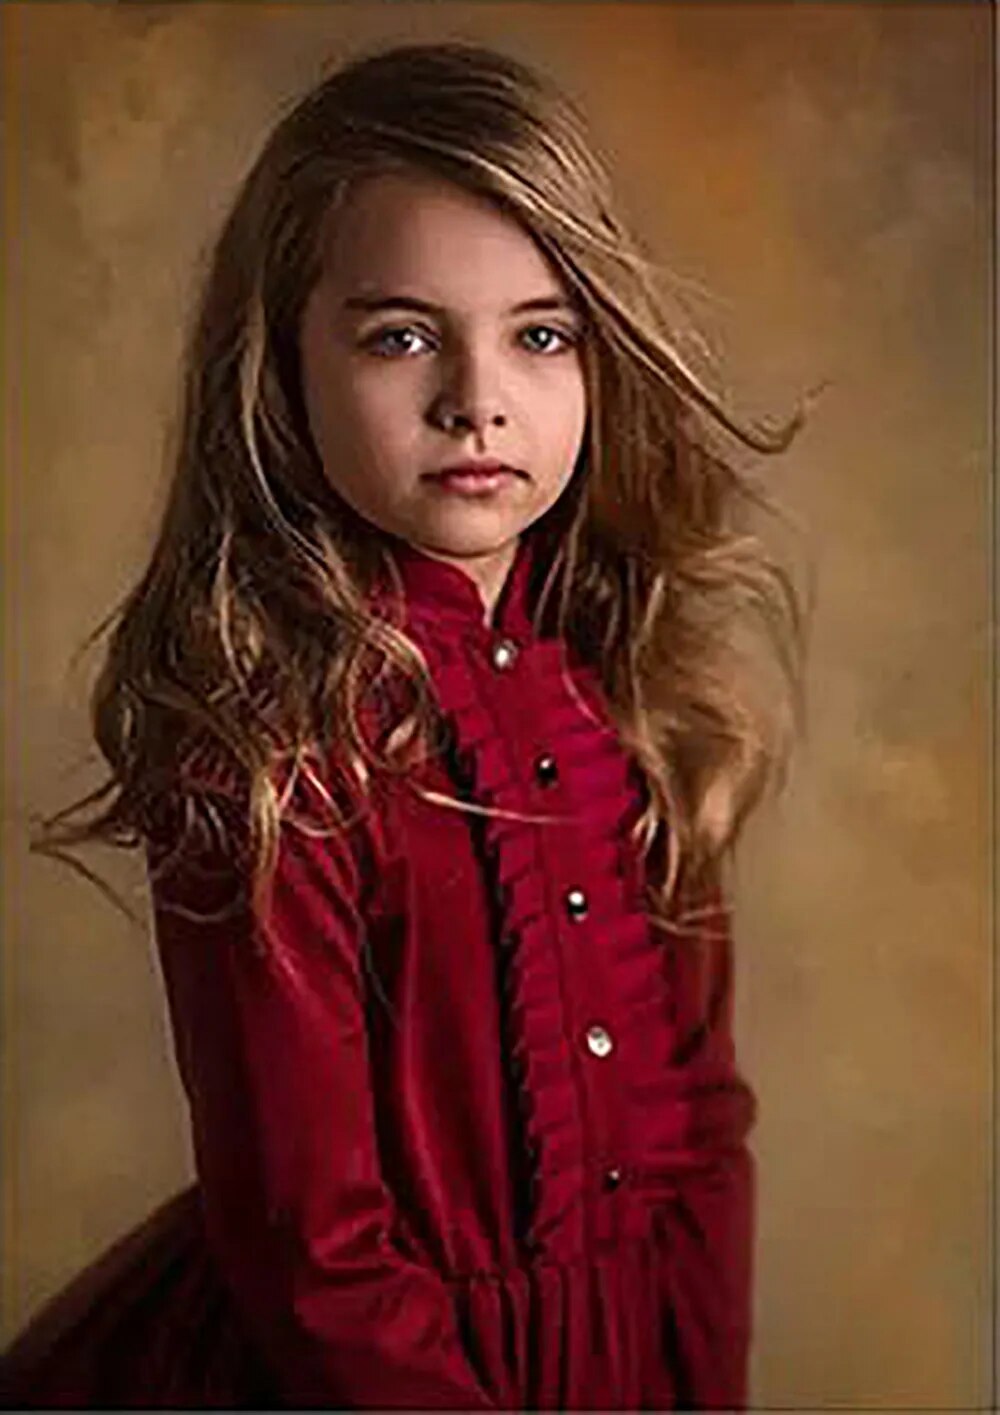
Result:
pixel 711 1219
pixel 272 1049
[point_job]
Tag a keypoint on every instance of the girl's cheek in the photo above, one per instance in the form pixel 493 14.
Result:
pixel 561 374
pixel 385 381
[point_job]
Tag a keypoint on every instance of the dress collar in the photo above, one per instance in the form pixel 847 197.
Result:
pixel 439 593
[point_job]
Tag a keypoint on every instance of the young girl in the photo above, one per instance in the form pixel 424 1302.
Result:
pixel 429 715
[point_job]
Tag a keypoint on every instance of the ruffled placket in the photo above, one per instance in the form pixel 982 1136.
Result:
pixel 609 1119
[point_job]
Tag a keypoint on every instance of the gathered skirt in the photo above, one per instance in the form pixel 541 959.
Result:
pixel 148 1325
pixel 151 1325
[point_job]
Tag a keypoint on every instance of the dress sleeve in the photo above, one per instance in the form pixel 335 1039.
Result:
pixel 710 1220
pixel 272 1047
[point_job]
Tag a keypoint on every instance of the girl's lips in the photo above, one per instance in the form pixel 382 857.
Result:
pixel 474 483
pixel 471 482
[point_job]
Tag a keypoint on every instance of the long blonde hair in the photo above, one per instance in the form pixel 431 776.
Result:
pixel 250 639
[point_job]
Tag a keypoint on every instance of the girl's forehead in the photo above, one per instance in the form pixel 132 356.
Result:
pixel 405 228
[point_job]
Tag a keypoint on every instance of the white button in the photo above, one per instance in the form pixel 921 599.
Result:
pixel 599 1041
pixel 576 904
pixel 503 654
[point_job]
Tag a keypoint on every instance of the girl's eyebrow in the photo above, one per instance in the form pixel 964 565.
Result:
pixel 375 303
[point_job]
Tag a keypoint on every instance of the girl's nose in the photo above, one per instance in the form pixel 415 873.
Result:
pixel 469 398
pixel 451 421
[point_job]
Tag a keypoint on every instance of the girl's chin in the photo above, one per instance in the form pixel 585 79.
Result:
pixel 471 535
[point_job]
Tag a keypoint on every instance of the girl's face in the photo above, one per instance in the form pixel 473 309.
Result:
pixel 438 334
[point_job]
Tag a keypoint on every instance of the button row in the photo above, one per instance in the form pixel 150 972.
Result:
pixel 503 656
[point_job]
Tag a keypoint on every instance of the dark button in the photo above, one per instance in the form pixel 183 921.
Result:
pixel 576 904
pixel 613 1177
pixel 546 770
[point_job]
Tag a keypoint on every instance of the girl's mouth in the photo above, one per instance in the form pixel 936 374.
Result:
pixel 473 483
pixel 475 480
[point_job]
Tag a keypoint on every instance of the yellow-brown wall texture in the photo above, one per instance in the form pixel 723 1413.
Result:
pixel 819 175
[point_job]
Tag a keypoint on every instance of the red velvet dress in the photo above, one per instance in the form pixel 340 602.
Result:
pixel 468 1133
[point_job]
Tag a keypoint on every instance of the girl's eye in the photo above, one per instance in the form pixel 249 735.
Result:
pixel 552 341
pixel 396 341
pixel 404 340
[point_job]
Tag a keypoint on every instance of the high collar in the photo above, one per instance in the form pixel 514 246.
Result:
pixel 440 594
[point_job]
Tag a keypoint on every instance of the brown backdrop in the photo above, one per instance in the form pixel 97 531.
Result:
pixel 823 171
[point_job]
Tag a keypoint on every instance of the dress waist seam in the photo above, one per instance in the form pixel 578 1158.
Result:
pixel 596 1256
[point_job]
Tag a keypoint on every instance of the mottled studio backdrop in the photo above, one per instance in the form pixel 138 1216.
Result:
pixel 818 175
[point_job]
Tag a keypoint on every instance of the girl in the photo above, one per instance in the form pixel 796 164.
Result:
pixel 429 715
